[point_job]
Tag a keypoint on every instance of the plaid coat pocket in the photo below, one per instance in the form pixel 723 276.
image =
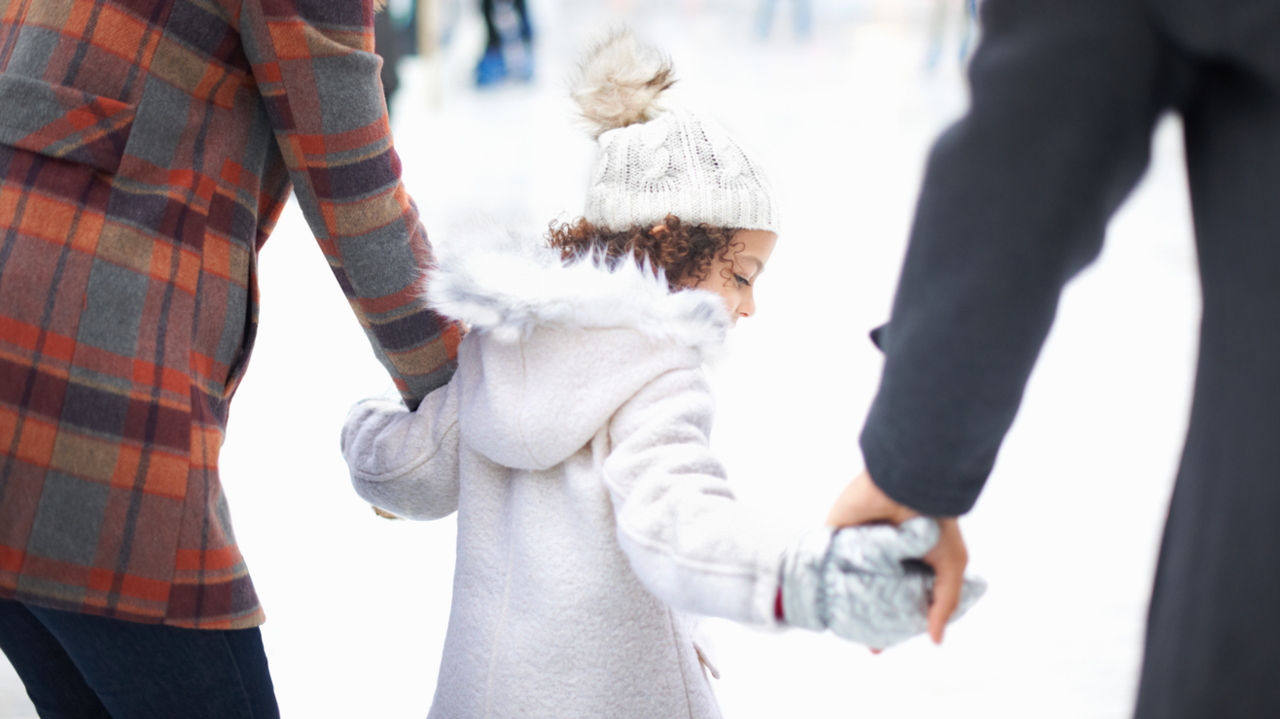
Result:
pixel 63 122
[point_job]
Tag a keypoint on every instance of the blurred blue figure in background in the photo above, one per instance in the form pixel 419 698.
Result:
pixel 509 49
pixel 802 18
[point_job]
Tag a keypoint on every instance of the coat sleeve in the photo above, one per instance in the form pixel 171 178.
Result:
pixel 316 72
pixel 687 538
pixel 405 461
pixel 1015 202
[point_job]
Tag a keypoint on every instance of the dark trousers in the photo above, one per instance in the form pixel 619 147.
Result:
pixel 1017 195
pixel 77 666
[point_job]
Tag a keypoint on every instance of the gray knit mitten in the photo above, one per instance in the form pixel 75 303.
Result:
pixel 854 582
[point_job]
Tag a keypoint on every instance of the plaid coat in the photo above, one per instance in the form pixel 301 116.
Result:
pixel 146 149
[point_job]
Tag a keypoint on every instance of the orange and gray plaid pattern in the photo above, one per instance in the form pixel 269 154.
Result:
pixel 146 149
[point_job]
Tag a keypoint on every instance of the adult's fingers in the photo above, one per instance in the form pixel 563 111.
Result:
pixel 948 559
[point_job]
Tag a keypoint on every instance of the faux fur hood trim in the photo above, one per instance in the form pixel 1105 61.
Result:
pixel 509 282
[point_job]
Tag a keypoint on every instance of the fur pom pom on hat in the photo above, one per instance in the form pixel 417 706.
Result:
pixel 621 84
pixel 654 161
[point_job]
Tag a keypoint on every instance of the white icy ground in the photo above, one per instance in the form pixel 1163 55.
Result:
pixel 1066 533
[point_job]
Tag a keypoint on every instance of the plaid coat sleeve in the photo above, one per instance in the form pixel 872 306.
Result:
pixel 146 149
pixel 314 65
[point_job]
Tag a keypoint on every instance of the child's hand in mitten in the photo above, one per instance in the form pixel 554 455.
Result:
pixel 866 584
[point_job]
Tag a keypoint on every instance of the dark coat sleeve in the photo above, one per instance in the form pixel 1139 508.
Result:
pixel 1015 201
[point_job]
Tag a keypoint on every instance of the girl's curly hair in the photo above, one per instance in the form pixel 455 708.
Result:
pixel 684 251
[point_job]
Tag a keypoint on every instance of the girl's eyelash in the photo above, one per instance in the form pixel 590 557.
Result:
pixel 743 280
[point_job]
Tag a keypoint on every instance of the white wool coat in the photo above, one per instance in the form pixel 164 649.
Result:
pixel 594 523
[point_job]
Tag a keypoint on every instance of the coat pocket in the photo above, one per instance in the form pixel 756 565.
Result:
pixel 63 122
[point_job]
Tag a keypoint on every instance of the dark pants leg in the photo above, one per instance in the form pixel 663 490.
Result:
pixel 1213 636
pixel 84 667
pixel 492 33
pixel 55 685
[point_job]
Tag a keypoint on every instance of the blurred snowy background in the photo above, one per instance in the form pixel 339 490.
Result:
pixel 1066 533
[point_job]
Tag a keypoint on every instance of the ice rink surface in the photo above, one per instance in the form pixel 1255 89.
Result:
pixel 1066 532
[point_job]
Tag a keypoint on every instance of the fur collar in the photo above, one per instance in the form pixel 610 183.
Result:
pixel 509 282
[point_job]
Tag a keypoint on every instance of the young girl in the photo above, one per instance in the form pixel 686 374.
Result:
pixel 593 521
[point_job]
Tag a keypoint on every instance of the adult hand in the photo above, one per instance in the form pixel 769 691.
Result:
pixel 862 502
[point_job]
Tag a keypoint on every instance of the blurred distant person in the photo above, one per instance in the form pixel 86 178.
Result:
pixel 1015 202
pixel 146 151
pixel 389 43
pixel 508 51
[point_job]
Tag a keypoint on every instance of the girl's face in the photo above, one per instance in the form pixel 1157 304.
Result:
pixel 734 279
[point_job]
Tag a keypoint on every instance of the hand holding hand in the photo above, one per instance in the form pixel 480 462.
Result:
pixel 862 502
pixel 855 582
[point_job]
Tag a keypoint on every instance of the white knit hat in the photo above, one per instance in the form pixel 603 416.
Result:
pixel 655 161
